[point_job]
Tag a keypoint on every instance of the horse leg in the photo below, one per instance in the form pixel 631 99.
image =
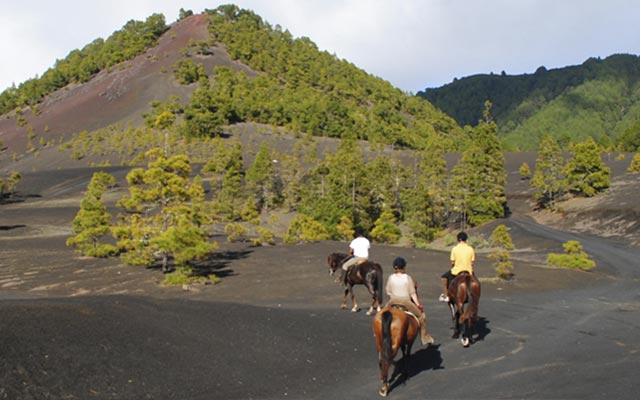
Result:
pixel 373 295
pixel 344 299
pixel 353 299
pixel 464 323
pixel 384 372
pixel 454 321
pixel 406 354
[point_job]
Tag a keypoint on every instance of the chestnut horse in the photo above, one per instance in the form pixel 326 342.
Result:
pixel 464 298
pixel 367 273
pixel 394 330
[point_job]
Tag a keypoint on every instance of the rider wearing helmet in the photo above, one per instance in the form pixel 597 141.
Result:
pixel 401 290
pixel 462 258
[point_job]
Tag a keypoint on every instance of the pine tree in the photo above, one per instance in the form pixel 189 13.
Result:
pixel 93 221
pixel 261 180
pixel 548 178
pixel 337 187
pixel 479 177
pixel 634 166
pixel 161 220
pixel 425 200
pixel 345 229
pixel 385 229
pixel 226 167
pixel 587 175
pixel 525 171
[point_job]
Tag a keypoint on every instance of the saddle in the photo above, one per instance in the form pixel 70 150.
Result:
pixel 406 311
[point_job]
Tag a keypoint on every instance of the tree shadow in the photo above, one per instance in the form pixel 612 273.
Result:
pixel 11 227
pixel 217 263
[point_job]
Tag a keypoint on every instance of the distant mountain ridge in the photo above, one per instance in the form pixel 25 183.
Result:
pixel 599 98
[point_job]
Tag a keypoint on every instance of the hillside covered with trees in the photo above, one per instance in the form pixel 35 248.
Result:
pixel 599 99
pixel 360 154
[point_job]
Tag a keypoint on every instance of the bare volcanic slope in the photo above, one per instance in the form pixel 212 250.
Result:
pixel 119 95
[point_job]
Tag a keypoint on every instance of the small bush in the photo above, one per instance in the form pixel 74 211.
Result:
pixel 184 275
pixel 573 258
pixel 305 229
pixel 502 263
pixel 266 236
pixel 235 232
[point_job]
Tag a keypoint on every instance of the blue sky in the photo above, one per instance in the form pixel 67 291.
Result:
pixel 414 44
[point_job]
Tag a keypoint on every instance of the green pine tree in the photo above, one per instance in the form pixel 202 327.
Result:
pixel 92 221
pixel 261 179
pixel 425 199
pixel 161 222
pixel 548 178
pixel 479 177
pixel 385 229
pixel 634 166
pixel 587 175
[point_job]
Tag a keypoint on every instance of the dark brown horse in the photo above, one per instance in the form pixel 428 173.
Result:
pixel 367 273
pixel 394 330
pixel 464 298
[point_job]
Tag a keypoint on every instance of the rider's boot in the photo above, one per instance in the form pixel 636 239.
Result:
pixel 443 296
pixel 424 336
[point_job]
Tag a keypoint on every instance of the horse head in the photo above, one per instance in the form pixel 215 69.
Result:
pixel 335 261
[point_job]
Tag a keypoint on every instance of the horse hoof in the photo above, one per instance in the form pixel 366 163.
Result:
pixel 464 341
pixel 383 391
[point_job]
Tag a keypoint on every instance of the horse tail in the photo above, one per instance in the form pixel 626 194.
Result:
pixel 379 283
pixel 472 302
pixel 386 336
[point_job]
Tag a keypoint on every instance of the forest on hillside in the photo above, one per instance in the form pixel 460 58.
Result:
pixel 306 94
pixel 599 99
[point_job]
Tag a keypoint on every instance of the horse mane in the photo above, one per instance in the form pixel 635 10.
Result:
pixel 335 259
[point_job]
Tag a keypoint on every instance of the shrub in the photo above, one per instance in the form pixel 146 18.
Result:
pixel 305 229
pixel 573 258
pixel 184 275
pixel 386 230
pixel 635 164
pixel 502 243
pixel 235 232
pixel 501 238
pixel 502 263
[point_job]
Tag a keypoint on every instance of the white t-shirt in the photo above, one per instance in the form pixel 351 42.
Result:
pixel 360 246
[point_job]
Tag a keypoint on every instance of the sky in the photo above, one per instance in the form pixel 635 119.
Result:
pixel 413 44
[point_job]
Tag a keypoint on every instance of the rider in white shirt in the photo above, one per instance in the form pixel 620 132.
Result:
pixel 359 250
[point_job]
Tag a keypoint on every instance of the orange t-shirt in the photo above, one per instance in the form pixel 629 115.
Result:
pixel 462 257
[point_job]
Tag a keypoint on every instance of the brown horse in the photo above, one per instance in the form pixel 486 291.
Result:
pixel 367 273
pixel 394 330
pixel 464 298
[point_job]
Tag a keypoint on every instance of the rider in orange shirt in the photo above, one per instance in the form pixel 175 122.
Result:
pixel 462 259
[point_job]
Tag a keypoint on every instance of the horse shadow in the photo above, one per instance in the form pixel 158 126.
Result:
pixel 481 329
pixel 428 358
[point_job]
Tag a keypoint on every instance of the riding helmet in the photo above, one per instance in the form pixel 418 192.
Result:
pixel 399 263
